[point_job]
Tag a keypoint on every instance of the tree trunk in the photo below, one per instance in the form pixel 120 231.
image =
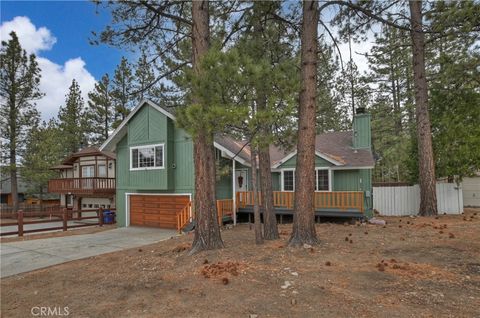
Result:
pixel 256 197
pixel 14 184
pixel 207 230
pixel 270 229
pixel 426 166
pixel 304 213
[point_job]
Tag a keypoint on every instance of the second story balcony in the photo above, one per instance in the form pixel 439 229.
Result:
pixel 82 185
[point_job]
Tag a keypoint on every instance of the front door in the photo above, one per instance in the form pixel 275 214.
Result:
pixel 241 180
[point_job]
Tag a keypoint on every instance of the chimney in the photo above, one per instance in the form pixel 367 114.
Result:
pixel 362 135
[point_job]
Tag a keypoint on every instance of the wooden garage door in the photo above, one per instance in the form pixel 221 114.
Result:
pixel 156 210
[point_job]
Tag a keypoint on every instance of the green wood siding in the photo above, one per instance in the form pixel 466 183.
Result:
pixel 362 135
pixel 149 126
pixel 224 187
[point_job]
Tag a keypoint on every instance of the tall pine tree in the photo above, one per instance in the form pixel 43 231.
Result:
pixel 101 112
pixel 122 90
pixel 73 121
pixel 19 88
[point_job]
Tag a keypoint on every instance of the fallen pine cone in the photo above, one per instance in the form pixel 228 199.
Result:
pixel 450 235
pixel 225 281
pixel 327 263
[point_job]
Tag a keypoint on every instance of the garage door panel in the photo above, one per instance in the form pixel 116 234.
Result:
pixel 156 210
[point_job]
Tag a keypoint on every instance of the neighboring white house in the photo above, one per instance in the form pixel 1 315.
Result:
pixel 471 191
pixel 86 180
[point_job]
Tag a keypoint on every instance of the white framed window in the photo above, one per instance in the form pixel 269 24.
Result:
pixel 88 171
pixel 322 180
pixel 288 180
pixel 102 170
pixel 147 157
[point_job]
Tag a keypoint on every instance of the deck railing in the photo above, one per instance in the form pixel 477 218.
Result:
pixel 224 208
pixel 82 185
pixel 342 200
pixel 184 216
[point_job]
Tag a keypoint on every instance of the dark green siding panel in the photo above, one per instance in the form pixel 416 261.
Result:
pixel 157 126
pixel 362 131
pixel 138 127
pixel 346 180
pixel 224 187
pixel 184 170
pixel 123 163
pixel 276 181
pixel 121 208
pixel 292 163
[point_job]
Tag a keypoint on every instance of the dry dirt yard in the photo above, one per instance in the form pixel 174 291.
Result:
pixel 413 267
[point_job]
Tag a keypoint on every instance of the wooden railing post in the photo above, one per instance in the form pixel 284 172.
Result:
pixel 100 216
pixel 65 219
pixel 20 222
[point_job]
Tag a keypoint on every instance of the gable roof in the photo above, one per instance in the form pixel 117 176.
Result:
pixel 121 130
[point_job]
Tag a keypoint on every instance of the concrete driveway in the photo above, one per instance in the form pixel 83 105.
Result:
pixel 25 256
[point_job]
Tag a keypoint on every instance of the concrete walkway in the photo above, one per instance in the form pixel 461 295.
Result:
pixel 25 256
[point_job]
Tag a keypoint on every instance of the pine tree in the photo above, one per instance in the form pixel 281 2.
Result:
pixel 101 113
pixel 144 78
pixel 19 88
pixel 43 150
pixel 304 213
pixel 122 90
pixel 73 121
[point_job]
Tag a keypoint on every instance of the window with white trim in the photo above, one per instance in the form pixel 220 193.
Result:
pixel 146 157
pixel 102 170
pixel 322 181
pixel 288 180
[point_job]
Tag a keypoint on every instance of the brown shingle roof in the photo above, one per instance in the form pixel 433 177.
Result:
pixel 88 151
pixel 338 146
pixel 334 145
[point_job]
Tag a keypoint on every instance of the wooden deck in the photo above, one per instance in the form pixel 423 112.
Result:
pixel 341 201
pixel 82 185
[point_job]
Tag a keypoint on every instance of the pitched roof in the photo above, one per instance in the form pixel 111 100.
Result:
pixel 335 147
pixel 338 146
pixel 85 152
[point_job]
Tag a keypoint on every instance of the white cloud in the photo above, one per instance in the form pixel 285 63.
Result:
pixel 31 39
pixel 55 78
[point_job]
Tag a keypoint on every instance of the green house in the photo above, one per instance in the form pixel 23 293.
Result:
pixel 155 172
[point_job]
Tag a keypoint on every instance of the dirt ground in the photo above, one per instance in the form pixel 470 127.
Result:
pixel 412 267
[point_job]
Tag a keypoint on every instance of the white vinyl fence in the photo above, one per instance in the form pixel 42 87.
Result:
pixel 405 200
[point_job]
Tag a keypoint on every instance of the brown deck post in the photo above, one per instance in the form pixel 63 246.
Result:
pixel 65 219
pixel 100 216
pixel 20 222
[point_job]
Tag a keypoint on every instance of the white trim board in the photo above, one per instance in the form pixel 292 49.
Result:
pixel 317 153
pixel 127 202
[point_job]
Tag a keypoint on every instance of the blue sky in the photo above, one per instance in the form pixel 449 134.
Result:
pixel 58 33
pixel 71 22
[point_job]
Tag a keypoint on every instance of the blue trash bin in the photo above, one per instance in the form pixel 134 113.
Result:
pixel 107 217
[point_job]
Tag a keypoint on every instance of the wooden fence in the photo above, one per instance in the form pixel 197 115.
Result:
pixel 405 200
pixel 52 216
